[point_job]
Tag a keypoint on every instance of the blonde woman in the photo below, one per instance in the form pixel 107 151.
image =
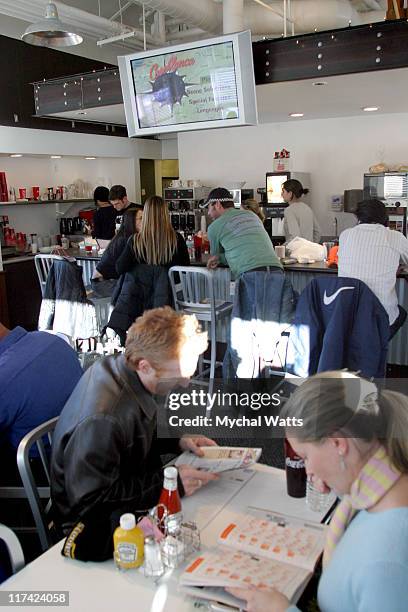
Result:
pixel 254 207
pixel 354 440
pixel 157 244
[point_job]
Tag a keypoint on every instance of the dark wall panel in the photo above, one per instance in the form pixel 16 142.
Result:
pixel 22 64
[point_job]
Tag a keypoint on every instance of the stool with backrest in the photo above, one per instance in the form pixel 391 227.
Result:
pixel 339 323
pixel 194 293
pixel 39 497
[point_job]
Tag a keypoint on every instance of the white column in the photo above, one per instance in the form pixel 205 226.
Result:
pixel 233 16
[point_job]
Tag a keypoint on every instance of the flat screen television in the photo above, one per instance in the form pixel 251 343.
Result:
pixel 200 85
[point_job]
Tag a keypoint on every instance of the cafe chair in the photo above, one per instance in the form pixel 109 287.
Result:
pixel 39 497
pixel 194 293
pixel 43 265
pixel 14 550
pixel 91 312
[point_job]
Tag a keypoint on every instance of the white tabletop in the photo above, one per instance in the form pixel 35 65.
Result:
pixel 100 587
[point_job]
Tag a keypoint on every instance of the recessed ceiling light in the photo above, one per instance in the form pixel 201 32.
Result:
pixel 55 156
pixel 370 109
pixel 296 115
pixel 16 155
pixel 90 157
pixel 319 83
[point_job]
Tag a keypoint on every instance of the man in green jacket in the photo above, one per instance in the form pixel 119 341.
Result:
pixel 238 239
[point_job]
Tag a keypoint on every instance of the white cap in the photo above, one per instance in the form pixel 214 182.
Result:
pixel 170 473
pixel 128 521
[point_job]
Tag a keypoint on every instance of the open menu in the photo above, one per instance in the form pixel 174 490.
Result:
pixel 277 551
pixel 218 459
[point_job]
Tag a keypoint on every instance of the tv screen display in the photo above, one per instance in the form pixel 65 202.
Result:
pixel 274 184
pixel 203 84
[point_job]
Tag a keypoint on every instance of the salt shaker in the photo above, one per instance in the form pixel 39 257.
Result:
pixel 153 560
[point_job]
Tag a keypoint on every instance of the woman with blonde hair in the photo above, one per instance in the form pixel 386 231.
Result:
pixel 354 440
pixel 253 206
pixel 157 244
pixel 144 266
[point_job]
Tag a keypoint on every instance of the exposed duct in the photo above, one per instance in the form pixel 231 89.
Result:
pixel 203 14
pixel 307 15
pixel 233 16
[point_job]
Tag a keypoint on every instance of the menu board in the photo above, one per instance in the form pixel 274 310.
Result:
pixel 186 86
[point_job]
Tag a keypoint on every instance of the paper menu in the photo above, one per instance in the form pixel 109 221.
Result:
pixel 234 568
pixel 221 458
pixel 276 538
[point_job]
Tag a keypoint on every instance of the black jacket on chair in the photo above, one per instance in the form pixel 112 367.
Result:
pixel 105 453
pixel 65 307
pixel 339 323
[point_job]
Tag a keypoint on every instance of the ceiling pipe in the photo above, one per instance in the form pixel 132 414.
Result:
pixel 204 14
pixel 232 16
pixel 307 15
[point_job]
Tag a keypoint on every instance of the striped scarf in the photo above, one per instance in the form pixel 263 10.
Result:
pixel 374 481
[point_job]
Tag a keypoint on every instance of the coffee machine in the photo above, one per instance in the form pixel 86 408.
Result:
pixel 183 204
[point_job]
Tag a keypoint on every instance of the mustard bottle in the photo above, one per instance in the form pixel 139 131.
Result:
pixel 128 543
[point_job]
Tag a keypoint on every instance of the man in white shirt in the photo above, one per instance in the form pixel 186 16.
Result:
pixel 372 252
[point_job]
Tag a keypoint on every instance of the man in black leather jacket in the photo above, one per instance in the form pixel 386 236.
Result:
pixel 106 456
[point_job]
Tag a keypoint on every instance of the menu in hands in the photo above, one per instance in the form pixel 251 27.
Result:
pixel 218 459
pixel 276 552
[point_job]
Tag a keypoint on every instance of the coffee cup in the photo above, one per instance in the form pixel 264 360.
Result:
pixel 280 251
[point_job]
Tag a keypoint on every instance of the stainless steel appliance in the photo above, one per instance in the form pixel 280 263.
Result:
pixel 184 208
pixel 392 189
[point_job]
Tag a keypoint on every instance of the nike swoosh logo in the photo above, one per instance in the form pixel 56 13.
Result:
pixel 328 299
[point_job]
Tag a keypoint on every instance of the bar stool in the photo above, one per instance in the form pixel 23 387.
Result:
pixel 193 293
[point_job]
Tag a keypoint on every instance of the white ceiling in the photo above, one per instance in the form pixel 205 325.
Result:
pixel 343 96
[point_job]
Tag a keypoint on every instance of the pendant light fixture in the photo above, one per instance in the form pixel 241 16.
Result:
pixel 50 32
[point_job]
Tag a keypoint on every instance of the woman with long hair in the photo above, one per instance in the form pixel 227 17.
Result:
pixel 157 244
pixel 253 206
pixel 354 440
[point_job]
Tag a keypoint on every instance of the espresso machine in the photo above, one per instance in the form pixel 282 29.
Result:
pixel 183 204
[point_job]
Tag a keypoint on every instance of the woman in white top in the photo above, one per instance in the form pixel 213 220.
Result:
pixel 299 219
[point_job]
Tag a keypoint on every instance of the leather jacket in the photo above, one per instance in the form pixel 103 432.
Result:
pixel 105 453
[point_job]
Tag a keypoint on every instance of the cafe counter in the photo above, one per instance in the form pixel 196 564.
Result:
pixel 21 277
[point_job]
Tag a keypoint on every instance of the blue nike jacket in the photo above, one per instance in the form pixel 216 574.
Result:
pixel 339 323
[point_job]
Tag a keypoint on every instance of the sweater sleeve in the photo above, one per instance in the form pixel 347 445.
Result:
pixel 126 259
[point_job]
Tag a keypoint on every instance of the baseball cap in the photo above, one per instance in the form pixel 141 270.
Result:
pixel 219 194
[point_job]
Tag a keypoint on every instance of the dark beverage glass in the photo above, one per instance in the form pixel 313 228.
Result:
pixel 295 473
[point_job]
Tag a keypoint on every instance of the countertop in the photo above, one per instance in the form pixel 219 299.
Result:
pixel 316 267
